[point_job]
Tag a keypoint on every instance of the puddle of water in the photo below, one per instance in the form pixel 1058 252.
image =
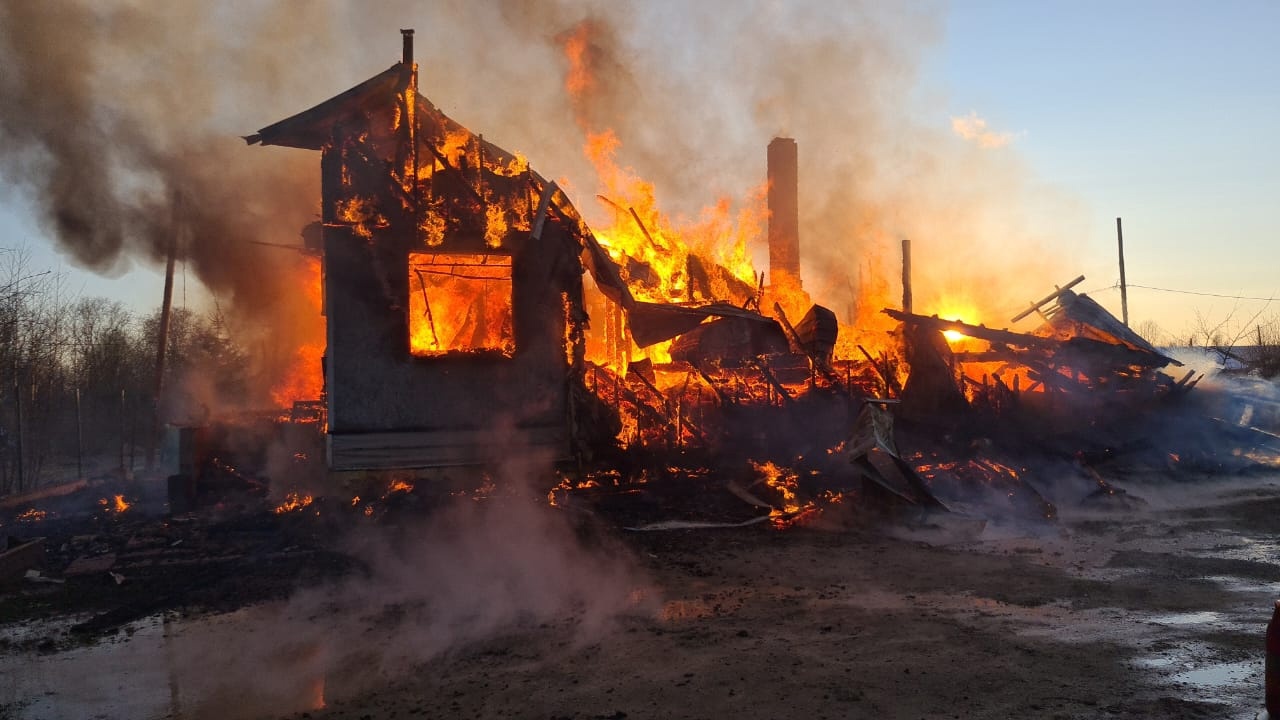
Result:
pixel 1192 618
pixel 217 667
pixel 1190 667
pixel 1245 585
pixel 1221 676
pixel 1155 662
pixel 1264 550
pixel 1238 684
pixel 34 631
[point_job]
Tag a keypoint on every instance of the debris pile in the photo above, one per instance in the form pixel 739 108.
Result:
pixel 473 312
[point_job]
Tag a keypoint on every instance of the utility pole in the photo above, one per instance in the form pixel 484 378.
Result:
pixel 162 342
pixel 1124 287
pixel 17 397
pixel 79 439
pixel 906 276
pixel 123 476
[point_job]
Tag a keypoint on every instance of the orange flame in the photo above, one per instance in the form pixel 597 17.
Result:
pixel 293 501
pixel 784 481
pixel 578 81
pixel 32 515
pixel 116 505
pixel 658 256
pixel 460 303
pixel 304 379
pixel 399 486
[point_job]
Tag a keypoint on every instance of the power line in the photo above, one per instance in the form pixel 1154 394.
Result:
pixel 1100 289
pixel 1204 294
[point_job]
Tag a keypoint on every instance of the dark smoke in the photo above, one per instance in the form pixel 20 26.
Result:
pixel 695 91
pixel 110 111
pixel 118 122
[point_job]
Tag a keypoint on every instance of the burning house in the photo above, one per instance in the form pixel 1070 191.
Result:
pixel 507 407
pixel 452 287
pixel 470 307
pixel 454 296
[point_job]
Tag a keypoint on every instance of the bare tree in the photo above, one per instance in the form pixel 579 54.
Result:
pixel 77 374
pixel 1151 331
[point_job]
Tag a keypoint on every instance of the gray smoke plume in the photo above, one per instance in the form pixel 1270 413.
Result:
pixel 110 111
pixel 118 122
pixel 475 571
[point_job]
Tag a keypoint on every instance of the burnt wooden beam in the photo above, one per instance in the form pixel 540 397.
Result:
pixel 981 332
pixel 1047 299
pixel 786 324
pixel 644 230
pixel 767 374
pixel 720 397
pixel 1073 351
pixel 882 369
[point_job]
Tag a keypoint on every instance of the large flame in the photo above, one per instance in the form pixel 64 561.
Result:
pixel 655 251
pixel 303 379
pixel 659 256
pixel 460 303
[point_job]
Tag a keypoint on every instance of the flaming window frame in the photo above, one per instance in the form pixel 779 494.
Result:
pixel 471 272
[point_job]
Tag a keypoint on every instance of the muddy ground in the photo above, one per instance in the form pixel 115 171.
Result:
pixel 1131 610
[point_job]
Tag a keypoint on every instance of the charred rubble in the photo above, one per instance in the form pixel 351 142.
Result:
pixel 473 316
pixel 472 312
pixel 745 387
pixel 474 319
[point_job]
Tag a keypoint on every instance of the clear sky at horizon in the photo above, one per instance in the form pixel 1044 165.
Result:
pixel 1163 113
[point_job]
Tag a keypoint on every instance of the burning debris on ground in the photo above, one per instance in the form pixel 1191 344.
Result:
pixel 469 306
pixel 457 275
pixel 642 381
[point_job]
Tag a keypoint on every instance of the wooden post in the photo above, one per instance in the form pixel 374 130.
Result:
pixel 17 397
pixel 1124 287
pixel 680 422
pixel 617 339
pixel 166 308
pixel 79 440
pixel 132 438
pixel 906 276
pixel 688 273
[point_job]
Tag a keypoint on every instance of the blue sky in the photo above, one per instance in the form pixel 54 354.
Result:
pixel 139 286
pixel 1163 113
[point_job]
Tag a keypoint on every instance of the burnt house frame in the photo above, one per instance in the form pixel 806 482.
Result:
pixel 398 177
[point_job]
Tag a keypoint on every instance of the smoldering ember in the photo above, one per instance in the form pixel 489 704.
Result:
pixel 533 468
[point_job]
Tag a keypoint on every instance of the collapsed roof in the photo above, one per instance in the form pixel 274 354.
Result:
pixel 460 178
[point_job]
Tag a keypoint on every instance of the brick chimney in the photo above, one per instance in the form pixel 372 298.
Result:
pixel 784 213
pixel 406 55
